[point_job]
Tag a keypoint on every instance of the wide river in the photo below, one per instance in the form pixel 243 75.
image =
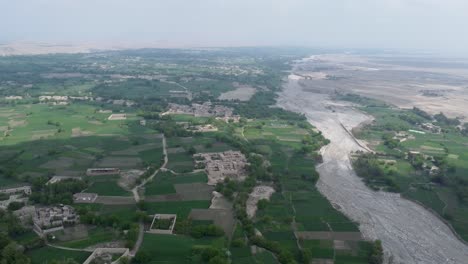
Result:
pixel 409 233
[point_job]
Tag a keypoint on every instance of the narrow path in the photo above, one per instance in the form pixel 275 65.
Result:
pixel 136 195
pixel 242 133
pixel 68 248
pixel 294 223
pixel 141 232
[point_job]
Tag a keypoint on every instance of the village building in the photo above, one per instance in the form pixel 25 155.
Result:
pixel 431 128
pixel 11 199
pixel 84 197
pixel 17 190
pixel 222 165
pixel 206 109
pixel 56 179
pixel 50 219
pixel 102 171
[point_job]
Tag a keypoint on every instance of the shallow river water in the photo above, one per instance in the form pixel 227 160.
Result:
pixel 409 233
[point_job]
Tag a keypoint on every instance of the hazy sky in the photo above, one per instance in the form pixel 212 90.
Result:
pixel 409 24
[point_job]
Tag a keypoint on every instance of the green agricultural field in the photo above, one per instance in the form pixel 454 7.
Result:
pixel 107 187
pixel 169 248
pixel 95 236
pixel 180 162
pixel 126 213
pixel 45 255
pixel 163 182
pixel 181 208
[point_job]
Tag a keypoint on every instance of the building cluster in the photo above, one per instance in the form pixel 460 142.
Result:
pixel 403 136
pixel 221 165
pixel 206 109
pixel 431 169
pixel 57 179
pixel 431 128
pixel 18 194
pixel 17 190
pixel 53 218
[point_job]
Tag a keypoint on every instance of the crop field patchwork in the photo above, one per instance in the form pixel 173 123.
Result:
pixel 46 254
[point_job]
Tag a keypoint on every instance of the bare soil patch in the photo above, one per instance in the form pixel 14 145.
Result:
pixel 346 236
pixel 175 150
pixel 241 93
pixel 17 123
pixel 40 134
pixel 128 178
pixel 115 200
pixel 119 162
pixel 220 217
pixel 194 191
pixel 60 163
pixel 77 132
pixel 258 193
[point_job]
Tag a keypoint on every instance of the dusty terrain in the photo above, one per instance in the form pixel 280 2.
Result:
pixel 432 84
pixel 409 233
pixel 241 93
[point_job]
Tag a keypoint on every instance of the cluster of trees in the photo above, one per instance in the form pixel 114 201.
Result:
pixel 421 113
pixel 259 106
pixel 284 255
pixel 369 167
pixel 57 193
pixel 169 127
pixel 412 119
pixel 461 189
pixel 200 231
pixel 376 253
pixel 10 251
pixel 362 100
pixel 389 141
pixel 464 131
pixel 444 120
pixel 210 254
pixel 93 218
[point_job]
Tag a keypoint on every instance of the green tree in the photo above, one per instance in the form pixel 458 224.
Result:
pixel 14 254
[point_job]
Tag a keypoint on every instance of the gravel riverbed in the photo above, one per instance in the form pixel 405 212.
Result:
pixel 409 233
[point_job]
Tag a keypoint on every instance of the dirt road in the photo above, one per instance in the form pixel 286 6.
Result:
pixel 409 233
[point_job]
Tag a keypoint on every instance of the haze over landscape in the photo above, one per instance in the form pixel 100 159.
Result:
pixel 421 25
pixel 234 131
